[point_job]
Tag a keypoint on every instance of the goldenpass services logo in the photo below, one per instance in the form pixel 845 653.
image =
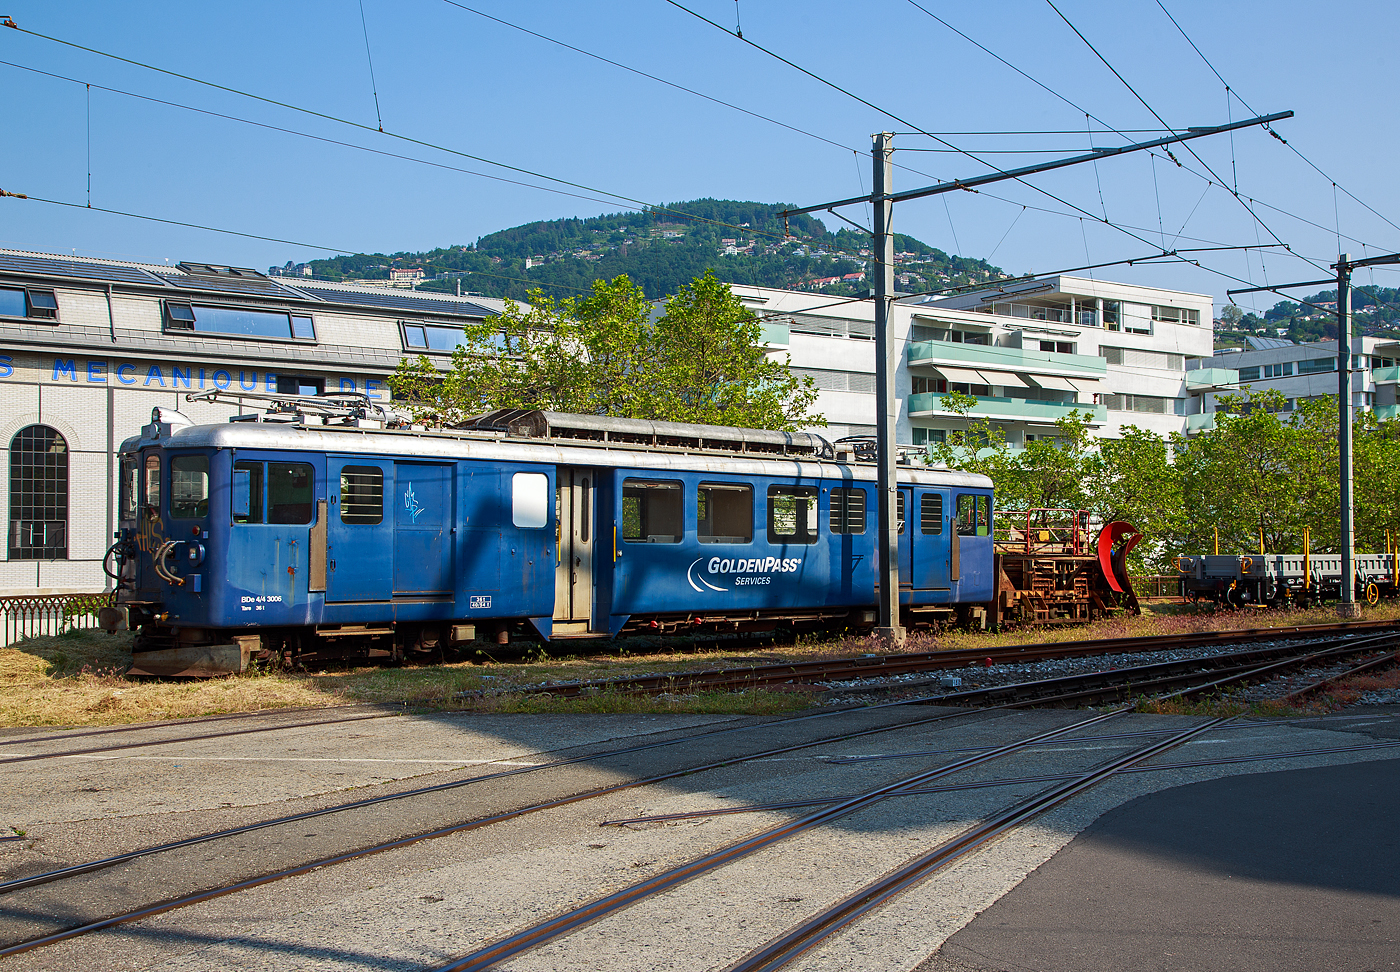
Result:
pixel 747 572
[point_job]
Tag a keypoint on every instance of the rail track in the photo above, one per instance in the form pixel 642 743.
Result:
pixel 1060 690
pixel 870 666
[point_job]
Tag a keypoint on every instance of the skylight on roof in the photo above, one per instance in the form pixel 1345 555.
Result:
pixel 212 270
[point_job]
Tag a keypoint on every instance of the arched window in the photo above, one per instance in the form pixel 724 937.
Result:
pixel 38 495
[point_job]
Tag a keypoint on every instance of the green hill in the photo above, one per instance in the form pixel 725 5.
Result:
pixel 660 249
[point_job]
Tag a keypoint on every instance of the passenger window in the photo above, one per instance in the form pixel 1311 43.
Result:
pixel 792 514
pixel 529 500
pixel 585 512
pixel 974 515
pixel 247 492
pixel 130 489
pixel 152 489
pixel 189 487
pixel 361 494
pixel 847 510
pixel 931 514
pixel 652 511
pixel 724 513
pixel 289 492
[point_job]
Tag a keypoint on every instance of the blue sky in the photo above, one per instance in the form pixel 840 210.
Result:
pixel 455 79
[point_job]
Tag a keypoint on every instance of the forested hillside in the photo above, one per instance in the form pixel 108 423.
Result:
pixel 662 249
pixel 1375 311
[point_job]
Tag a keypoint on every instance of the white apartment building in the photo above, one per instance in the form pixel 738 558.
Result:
pixel 1298 372
pixel 1029 352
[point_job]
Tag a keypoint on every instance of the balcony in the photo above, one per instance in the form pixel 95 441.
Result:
pixel 1386 376
pixel 1388 412
pixel 774 334
pixel 930 353
pixel 1200 422
pixel 1008 409
pixel 1209 379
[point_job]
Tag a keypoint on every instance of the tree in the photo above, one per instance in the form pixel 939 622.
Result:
pixel 1375 459
pixel 1259 471
pixel 981 448
pixel 708 365
pixel 701 361
pixel 1231 315
pixel 1050 472
pixel 1132 478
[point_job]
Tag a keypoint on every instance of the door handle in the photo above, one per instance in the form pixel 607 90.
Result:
pixel 331 565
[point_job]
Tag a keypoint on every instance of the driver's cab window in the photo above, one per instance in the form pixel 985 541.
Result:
pixel 189 487
pixel 151 483
pixel 974 515
pixel 130 488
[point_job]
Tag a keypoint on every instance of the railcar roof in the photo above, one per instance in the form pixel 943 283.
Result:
pixel 448 445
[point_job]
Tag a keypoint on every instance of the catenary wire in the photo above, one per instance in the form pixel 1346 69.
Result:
pixel 374 85
pixel 1189 148
pixel 887 113
pixel 1287 143
pixel 395 135
pixel 307 135
pixel 1121 132
pixel 314 113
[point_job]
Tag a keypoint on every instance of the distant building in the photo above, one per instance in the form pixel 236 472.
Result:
pixel 1296 371
pixel 406 277
pixel 1029 353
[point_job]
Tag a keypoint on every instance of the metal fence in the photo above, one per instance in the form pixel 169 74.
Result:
pixel 48 614
pixel 1156 585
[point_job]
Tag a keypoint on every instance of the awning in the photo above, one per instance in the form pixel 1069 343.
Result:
pixel 1003 378
pixel 963 375
pixel 1054 381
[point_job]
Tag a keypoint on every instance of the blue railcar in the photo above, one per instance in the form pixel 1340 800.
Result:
pixel 280 537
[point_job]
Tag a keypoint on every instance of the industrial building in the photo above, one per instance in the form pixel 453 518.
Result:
pixel 88 347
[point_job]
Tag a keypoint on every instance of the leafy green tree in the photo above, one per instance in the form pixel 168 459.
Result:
pixel 1132 478
pixel 701 361
pixel 981 448
pixel 1050 472
pixel 708 365
pixel 1375 461
pixel 1258 469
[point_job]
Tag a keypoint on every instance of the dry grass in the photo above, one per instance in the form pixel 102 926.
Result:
pixel 75 678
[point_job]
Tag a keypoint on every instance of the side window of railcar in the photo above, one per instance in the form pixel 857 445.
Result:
pixel 189 487
pixel 931 514
pixel 724 513
pixel 247 492
pixel 529 500
pixel 974 515
pixel 899 510
pixel 130 488
pixel 792 514
pixel 361 494
pixel 847 510
pixel 289 492
pixel 652 511
pixel 152 483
